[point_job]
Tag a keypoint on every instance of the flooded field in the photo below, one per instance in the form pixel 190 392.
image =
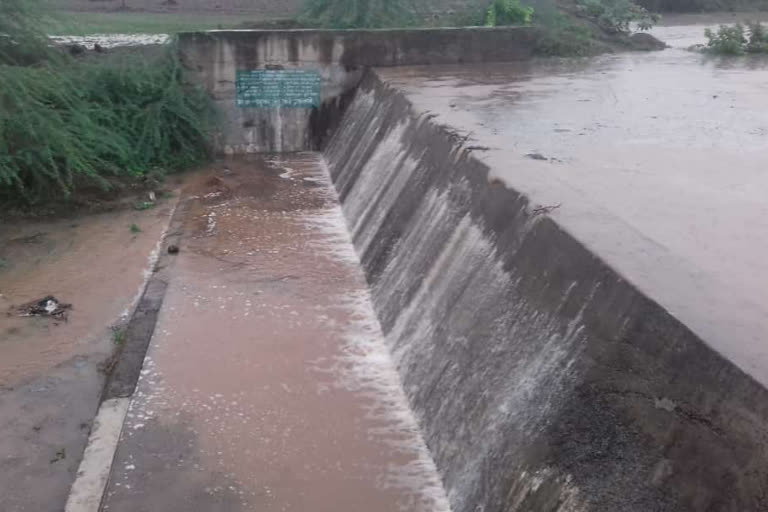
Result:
pixel 655 160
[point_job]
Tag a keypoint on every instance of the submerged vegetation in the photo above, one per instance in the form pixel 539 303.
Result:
pixel 737 40
pixel 67 124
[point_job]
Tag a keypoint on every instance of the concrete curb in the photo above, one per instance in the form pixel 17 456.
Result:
pixel 138 334
pixel 93 475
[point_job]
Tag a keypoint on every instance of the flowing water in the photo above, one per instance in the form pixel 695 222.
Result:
pixel 655 160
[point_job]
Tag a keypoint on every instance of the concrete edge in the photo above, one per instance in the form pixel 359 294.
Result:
pixel 124 377
pixel 87 491
pixel 93 474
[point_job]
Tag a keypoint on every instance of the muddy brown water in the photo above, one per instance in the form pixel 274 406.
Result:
pixel 51 372
pixel 94 263
pixel 268 385
pixel 657 161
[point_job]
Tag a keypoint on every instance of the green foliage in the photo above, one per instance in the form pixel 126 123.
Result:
pixel 65 127
pixel 737 40
pixel 21 40
pixel 135 229
pixel 347 14
pixel 465 18
pixel 118 335
pixel 727 40
pixel 144 205
pixel 507 12
pixel 617 16
pixel 758 38
pixel 561 37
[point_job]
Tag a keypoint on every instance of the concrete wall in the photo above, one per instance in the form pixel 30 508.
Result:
pixel 340 57
pixel 542 380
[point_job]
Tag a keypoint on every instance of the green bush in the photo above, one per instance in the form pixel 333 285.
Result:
pixel 561 37
pixel 617 16
pixel 507 12
pixel 758 38
pixel 737 40
pixel 66 127
pixel 727 40
pixel 21 41
pixel 347 14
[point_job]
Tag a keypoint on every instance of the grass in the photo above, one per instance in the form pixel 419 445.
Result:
pixel 86 23
pixel 118 335
pixel 135 229
pixel 144 205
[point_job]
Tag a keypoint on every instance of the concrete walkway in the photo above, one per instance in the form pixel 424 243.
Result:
pixel 268 386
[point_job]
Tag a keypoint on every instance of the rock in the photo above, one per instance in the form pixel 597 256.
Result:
pixel 537 156
pixel 173 249
pixel 646 42
pixel 76 49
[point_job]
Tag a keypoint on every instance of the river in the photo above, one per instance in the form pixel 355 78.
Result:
pixel 656 161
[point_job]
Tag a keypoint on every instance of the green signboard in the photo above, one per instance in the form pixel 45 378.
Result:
pixel 290 88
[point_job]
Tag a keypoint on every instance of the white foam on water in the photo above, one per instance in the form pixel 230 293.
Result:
pixel 108 41
pixel 148 269
pixel 366 367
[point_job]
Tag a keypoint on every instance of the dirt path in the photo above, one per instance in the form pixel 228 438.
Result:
pixel 267 386
pixel 51 372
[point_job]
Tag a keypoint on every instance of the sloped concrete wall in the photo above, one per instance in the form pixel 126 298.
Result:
pixel 542 380
pixel 339 56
